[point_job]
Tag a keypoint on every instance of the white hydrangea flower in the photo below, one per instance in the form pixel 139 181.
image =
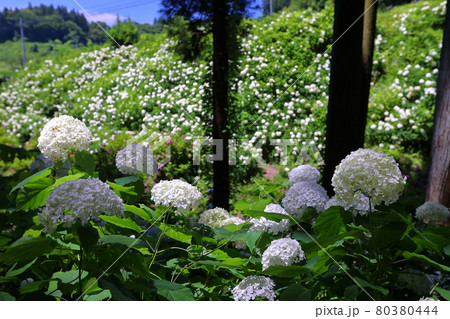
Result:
pixel 304 173
pixel 266 225
pixel 252 287
pixel 302 195
pixel 433 212
pixel 135 159
pixel 62 136
pixel 177 193
pixel 214 217
pixel 81 199
pixel 372 173
pixel 359 206
pixel 284 252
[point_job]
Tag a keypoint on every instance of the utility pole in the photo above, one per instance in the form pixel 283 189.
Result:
pixel 270 7
pixel 23 42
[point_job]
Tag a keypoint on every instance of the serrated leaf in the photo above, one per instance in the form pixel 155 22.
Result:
pixel 70 276
pixel 122 222
pixel 172 291
pixel 444 293
pixel 241 205
pixel 33 178
pixel 104 294
pixel 295 292
pixel 366 284
pixel 119 239
pixel 175 233
pixel 425 260
pixel 138 211
pixel 14 272
pixel 27 250
pixel 329 223
pixel 4 296
pixel 271 216
pixel 85 161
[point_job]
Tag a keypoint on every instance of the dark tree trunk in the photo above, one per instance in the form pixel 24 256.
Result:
pixel 351 65
pixel 221 180
pixel 439 177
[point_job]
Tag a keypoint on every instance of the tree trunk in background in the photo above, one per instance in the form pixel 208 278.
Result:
pixel 221 179
pixel 439 177
pixel 349 84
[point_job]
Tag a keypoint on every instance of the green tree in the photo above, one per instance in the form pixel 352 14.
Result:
pixel 124 33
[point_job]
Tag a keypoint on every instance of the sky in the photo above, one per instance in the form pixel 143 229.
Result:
pixel 141 11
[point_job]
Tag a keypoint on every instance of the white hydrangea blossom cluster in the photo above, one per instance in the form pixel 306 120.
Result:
pixel 214 217
pixel 62 136
pixel 433 212
pixel 135 159
pixel 359 206
pixel 266 225
pixel 177 193
pixel 371 173
pixel 253 287
pixel 284 252
pixel 304 173
pixel 302 195
pixel 81 199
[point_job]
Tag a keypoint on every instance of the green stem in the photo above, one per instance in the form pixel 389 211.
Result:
pixel 158 243
pixel 80 287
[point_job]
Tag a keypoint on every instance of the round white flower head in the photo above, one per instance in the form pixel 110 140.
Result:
pixel 135 159
pixel 372 173
pixel 304 173
pixel 359 206
pixel 433 212
pixel 177 193
pixel 302 195
pixel 284 252
pixel 62 136
pixel 253 287
pixel 213 217
pixel 266 225
pixel 81 199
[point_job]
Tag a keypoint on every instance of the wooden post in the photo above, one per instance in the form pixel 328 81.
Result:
pixel 438 189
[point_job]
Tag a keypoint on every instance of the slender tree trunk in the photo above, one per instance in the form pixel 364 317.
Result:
pixel 348 96
pixel 439 177
pixel 221 178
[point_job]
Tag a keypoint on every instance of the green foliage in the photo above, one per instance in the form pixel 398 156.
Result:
pixel 123 33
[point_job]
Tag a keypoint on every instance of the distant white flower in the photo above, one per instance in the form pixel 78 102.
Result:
pixel 433 212
pixel 214 217
pixel 266 225
pixel 135 159
pixel 371 173
pixel 304 173
pixel 302 195
pixel 253 287
pixel 81 199
pixel 427 299
pixel 284 252
pixel 358 206
pixel 177 193
pixel 62 136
